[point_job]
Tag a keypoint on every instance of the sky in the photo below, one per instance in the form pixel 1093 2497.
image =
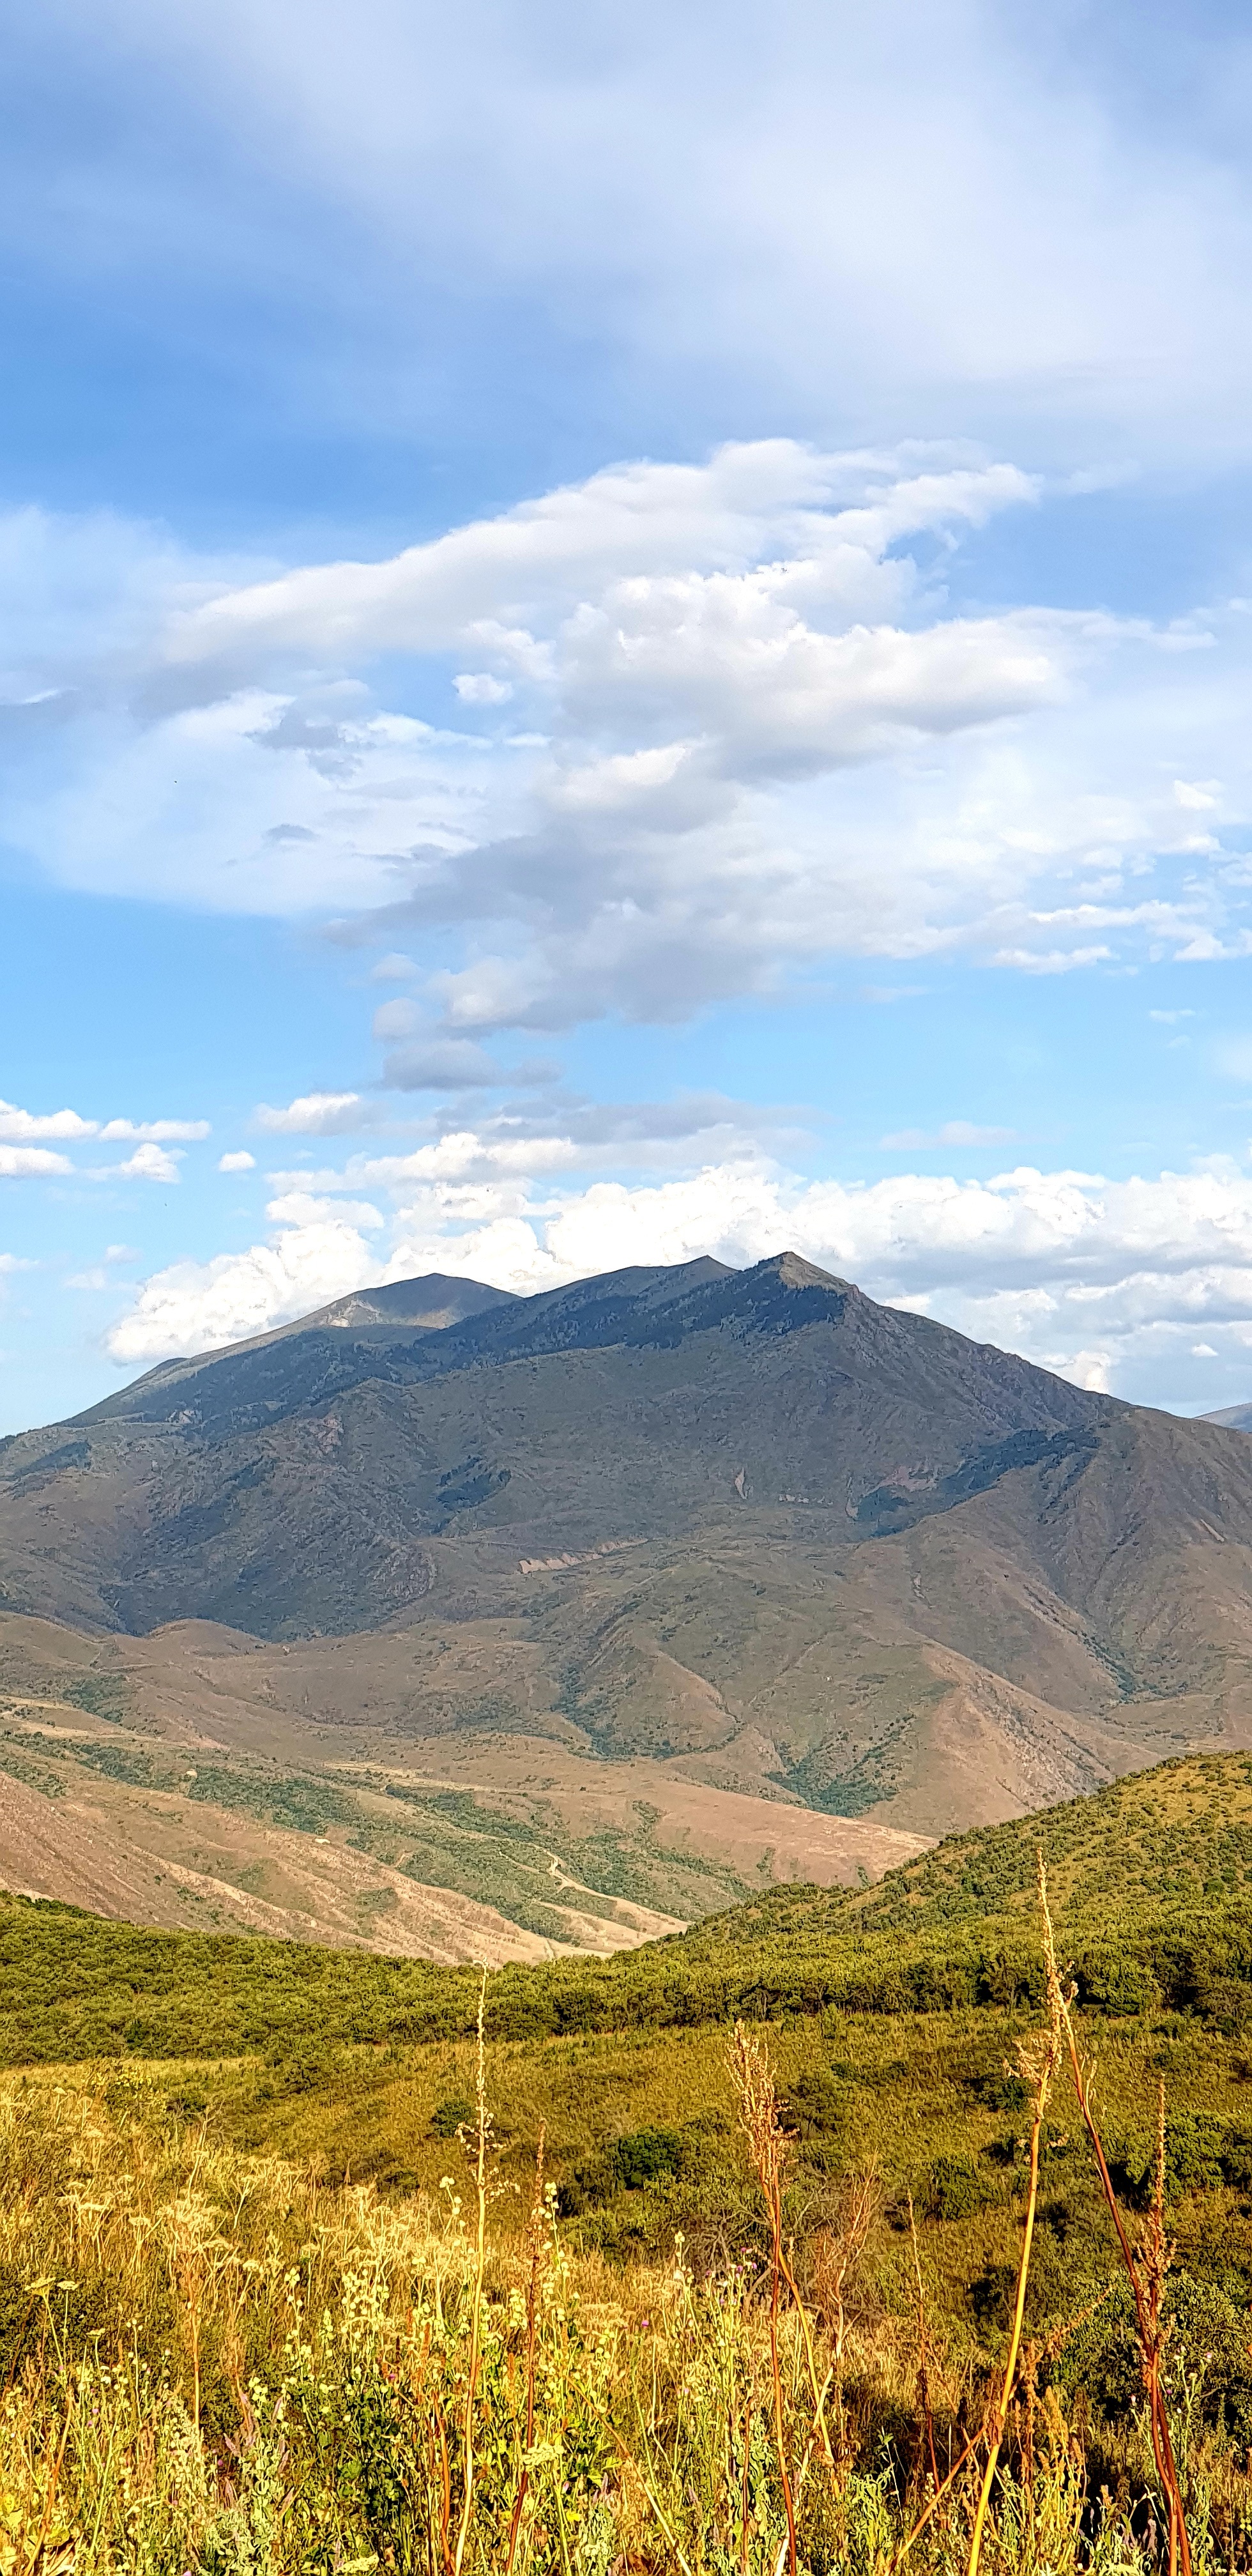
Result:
pixel 625 634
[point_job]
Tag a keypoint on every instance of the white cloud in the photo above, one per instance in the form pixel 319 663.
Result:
pixel 19 1126
pixel 155 1131
pixel 100 1275
pixel 239 1162
pixel 926 204
pixel 302 1208
pixel 147 1163
pixel 758 736
pixel 195 1305
pixel 317 1113
pixel 22 1162
pixel 955 1131
pixel 151 1163
pixel 481 689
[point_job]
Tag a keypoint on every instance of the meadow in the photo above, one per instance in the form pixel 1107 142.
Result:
pixel 836 2234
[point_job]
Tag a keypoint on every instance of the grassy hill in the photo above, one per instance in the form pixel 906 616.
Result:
pixel 1151 1881
pixel 893 2011
pixel 1164 1838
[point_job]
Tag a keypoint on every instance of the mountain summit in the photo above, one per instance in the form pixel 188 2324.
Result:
pixel 747 1518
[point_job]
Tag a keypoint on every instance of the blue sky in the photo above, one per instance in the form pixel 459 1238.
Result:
pixel 622 634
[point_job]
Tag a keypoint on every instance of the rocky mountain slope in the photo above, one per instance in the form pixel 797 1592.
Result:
pixel 660 1547
pixel 1233 1417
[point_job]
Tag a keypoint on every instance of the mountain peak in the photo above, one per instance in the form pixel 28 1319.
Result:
pixel 795 1272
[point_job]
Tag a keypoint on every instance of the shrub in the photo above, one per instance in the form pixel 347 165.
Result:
pixel 456 2111
pixel 954 2188
pixel 815 2103
pixel 644 2155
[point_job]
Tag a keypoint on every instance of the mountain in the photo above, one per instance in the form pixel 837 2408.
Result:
pixel 300 1485
pixel 665 1546
pixel 1233 1417
pixel 370 1316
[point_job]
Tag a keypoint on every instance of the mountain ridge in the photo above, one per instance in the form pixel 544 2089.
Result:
pixel 708 1339
pixel 748 1526
pixel 428 1303
pixel 1231 1417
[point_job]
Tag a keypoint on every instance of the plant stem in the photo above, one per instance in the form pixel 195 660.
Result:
pixel 480 2265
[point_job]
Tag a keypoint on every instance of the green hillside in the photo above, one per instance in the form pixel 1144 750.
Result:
pixel 1162 1838
pixel 1150 1881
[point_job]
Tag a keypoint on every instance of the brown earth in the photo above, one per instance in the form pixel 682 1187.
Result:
pixel 103 1856
pixel 194 1702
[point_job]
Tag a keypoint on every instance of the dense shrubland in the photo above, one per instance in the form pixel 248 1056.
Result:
pixel 1154 1888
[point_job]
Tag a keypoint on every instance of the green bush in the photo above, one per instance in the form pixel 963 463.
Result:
pixel 456 2111
pixel 954 2188
pixel 646 2154
pixel 815 2103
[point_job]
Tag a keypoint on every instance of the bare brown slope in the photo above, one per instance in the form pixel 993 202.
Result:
pixel 143 1730
pixel 82 1853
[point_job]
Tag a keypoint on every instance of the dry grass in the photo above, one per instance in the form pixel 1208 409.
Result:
pixel 221 2364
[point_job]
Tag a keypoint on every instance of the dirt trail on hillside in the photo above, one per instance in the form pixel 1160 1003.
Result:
pixel 64 1849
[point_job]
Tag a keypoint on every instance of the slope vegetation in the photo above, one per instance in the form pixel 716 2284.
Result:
pixel 1150 1884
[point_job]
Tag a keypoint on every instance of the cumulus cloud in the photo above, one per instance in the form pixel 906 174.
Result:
pixel 747 731
pixel 19 1156
pixel 193 1305
pixel 242 1161
pixel 315 1113
pixel 481 689
pixel 298 1206
pixel 25 1162
pixel 148 1163
pixel 21 1126
pixel 155 1131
